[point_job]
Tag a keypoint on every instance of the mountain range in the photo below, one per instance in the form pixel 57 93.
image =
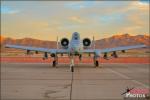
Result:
pixel 113 41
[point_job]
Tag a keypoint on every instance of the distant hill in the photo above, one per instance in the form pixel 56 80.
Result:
pixel 123 40
pixel 28 42
pixel 114 41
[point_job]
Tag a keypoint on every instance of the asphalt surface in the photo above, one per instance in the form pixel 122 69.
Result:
pixel 26 81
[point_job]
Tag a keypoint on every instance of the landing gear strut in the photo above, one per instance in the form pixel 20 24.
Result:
pixel 80 56
pixel 72 64
pixel 55 61
pixel 96 62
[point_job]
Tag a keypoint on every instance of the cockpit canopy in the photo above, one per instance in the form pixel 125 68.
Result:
pixel 76 36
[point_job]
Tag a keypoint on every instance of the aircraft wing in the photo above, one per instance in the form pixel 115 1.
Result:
pixel 112 49
pixel 37 49
pixel 122 48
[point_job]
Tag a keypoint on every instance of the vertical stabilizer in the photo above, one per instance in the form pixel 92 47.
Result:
pixel 57 43
pixel 93 42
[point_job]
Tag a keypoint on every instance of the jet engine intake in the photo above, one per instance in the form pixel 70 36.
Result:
pixel 64 42
pixel 86 42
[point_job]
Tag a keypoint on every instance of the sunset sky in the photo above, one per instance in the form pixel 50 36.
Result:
pixel 47 19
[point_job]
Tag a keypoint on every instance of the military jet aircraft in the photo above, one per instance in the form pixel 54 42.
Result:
pixel 75 47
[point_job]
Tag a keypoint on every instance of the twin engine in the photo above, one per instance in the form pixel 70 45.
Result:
pixel 65 42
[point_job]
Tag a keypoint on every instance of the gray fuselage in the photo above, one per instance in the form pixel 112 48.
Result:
pixel 75 45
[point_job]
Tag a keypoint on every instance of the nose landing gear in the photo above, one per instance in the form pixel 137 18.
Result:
pixel 72 68
pixel 72 64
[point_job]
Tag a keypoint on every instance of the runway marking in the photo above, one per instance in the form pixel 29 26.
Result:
pixel 124 76
pixel 127 77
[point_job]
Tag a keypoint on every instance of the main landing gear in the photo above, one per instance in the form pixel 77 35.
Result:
pixel 55 62
pixel 96 62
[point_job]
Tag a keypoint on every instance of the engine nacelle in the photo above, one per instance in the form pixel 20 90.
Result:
pixel 64 42
pixel 86 42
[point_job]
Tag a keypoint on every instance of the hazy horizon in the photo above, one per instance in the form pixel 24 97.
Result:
pixel 45 20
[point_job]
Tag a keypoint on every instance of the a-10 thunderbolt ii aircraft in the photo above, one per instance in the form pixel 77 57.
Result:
pixel 75 47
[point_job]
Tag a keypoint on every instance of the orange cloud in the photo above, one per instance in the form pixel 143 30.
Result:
pixel 77 19
pixel 130 29
pixel 136 19
pixel 39 24
pixel 137 5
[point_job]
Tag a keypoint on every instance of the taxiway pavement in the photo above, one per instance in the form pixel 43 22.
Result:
pixel 40 81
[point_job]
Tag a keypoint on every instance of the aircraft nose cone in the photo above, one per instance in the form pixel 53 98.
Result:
pixel 75 32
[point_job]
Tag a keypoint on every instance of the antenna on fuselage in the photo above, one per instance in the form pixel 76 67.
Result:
pixel 57 43
pixel 93 42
